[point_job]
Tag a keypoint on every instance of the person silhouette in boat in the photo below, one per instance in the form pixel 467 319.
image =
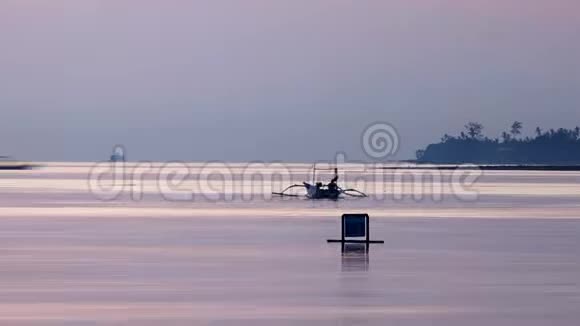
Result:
pixel 333 186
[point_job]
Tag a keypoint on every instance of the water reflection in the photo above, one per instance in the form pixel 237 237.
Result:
pixel 355 257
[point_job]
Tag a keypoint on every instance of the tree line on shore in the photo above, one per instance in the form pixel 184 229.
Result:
pixel 553 146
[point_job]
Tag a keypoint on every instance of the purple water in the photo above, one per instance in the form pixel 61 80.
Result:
pixel 509 257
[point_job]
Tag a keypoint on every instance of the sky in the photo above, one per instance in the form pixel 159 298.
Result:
pixel 292 80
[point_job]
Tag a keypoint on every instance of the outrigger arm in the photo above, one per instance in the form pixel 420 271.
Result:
pixel 283 192
pixel 353 193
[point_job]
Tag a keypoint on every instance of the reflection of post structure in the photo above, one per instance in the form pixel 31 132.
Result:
pixel 355 257
pixel 356 229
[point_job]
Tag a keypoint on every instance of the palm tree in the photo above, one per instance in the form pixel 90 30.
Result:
pixel 516 129
pixel 539 131
pixel 474 130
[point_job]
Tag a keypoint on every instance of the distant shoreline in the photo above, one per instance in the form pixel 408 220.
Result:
pixel 396 165
pixel 519 167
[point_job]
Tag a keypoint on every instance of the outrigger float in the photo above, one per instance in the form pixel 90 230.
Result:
pixel 317 190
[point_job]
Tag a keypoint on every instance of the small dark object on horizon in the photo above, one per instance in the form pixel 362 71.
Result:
pixel 8 164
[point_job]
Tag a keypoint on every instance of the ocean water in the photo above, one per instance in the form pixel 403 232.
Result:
pixel 198 244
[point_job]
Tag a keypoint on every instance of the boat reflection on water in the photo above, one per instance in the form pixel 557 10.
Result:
pixel 355 257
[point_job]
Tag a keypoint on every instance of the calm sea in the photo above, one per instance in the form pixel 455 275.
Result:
pixel 175 244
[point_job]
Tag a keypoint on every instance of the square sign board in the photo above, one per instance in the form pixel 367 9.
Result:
pixel 354 225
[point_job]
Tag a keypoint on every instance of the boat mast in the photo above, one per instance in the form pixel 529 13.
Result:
pixel 314 174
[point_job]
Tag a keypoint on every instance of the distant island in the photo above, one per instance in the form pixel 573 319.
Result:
pixel 551 147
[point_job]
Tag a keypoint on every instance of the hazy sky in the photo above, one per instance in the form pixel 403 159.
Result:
pixel 293 80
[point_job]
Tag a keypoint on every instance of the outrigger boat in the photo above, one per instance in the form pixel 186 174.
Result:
pixel 316 190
